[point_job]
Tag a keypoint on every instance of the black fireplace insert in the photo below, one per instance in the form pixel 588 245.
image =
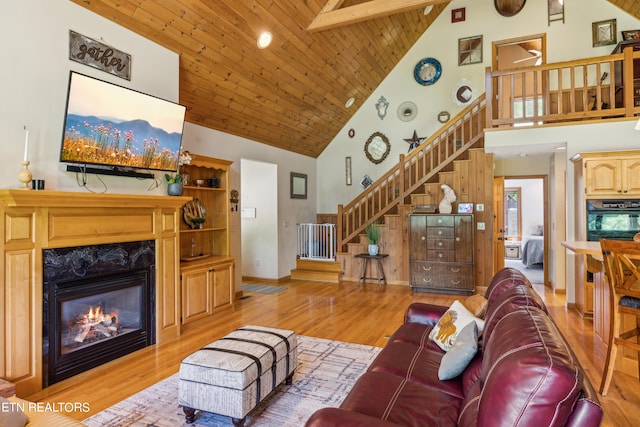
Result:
pixel 98 305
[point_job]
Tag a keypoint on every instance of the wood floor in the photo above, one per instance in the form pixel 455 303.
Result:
pixel 365 315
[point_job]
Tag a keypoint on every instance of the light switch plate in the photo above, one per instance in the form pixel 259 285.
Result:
pixel 480 207
pixel 481 226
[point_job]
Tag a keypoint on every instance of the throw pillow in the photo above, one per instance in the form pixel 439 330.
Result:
pixel 444 333
pixel 477 305
pixel 455 361
pixel 11 415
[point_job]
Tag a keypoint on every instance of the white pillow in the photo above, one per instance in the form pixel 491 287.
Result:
pixel 444 333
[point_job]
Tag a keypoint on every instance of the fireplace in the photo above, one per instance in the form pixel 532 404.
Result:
pixel 98 305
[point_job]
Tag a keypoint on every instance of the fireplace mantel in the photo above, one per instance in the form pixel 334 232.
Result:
pixel 37 220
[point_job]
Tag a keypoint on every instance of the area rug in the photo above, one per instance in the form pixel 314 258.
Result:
pixel 535 273
pixel 326 372
pixel 262 289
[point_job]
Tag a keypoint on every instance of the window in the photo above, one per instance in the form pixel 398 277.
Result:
pixel 512 214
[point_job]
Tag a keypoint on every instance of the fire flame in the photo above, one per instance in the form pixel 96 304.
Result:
pixel 97 316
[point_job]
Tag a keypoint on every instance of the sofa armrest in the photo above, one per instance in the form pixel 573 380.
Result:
pixel 342 418
pixel 424 314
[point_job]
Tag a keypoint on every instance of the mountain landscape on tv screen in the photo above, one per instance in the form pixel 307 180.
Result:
pixel 134 143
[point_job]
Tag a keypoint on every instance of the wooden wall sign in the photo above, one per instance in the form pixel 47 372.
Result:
pixel 98 55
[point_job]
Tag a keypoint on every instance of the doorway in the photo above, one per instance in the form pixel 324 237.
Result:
pixel 519 95
pixel 259 219
pixel 523 215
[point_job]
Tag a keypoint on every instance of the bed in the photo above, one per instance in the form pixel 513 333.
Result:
pixel 532 250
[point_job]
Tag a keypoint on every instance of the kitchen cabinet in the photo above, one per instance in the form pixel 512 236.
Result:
pixel 441 253
pixel 612 174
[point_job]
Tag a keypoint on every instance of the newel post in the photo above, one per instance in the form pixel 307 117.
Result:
pixel 401 169
pixel 490 98
pixel 627 83
pixel 340 228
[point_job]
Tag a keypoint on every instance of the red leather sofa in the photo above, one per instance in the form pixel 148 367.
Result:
pixel 524 373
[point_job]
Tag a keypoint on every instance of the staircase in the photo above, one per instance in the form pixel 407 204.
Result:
pixel 452 156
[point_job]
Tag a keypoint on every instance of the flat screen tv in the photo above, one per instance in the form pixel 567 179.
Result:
pixel 119 129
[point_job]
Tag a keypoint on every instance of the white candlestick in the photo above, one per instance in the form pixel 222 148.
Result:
pixel 26 144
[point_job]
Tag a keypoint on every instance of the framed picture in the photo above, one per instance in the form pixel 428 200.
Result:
pixel 631 35
pixel 470 50
pixel 298 185
pixel 465 208
pixel 347 170
pixel 366 182
pixel 604 32
pixel 458 15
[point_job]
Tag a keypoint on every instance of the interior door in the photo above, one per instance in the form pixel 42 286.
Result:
pixel 498 223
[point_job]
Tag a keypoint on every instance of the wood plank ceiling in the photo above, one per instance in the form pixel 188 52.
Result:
pixel 291 95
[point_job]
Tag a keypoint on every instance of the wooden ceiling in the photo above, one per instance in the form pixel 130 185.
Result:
pixel 291 95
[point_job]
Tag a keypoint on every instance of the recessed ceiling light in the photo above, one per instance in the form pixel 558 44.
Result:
pixel 349 102
pixel 428 9
pixel 265 39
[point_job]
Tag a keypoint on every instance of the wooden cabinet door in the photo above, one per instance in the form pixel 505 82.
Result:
pixel 196 294
pixel 631 176
pixel 223 289
pixel 418 237
pixel 603 177
pixel 464 238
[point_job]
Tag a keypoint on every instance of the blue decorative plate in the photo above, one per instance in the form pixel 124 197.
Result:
pixel 427 71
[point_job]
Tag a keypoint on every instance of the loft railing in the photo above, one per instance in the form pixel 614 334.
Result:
pixel 317 241
pixel 412 171
pixel 593 88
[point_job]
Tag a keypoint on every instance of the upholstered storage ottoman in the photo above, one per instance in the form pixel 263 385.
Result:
pixel 232 375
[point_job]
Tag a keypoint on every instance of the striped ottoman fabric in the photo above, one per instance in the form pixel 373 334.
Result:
pixel 232 375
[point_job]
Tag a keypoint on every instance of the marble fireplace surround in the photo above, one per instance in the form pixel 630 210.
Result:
pixel 37 220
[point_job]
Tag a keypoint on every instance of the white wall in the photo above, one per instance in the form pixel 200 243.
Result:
pixel 571 40
pixel 213 143
pixel 34 37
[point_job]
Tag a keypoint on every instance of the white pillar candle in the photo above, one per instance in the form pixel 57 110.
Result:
pixel 26 144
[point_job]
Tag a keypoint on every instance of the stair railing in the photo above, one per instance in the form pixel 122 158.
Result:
pixel 413 170
pixel 592 88
pixel 317 241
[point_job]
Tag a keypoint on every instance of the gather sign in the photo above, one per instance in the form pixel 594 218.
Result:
pixel 98 55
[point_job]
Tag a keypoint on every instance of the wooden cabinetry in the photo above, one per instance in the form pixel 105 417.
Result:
pixel 612 176
pixel 206 267
pixel 441 253
pixel 206 288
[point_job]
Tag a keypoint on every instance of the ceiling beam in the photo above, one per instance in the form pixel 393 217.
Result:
pixel 331 16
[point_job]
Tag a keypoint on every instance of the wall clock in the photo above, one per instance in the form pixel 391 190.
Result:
pixel 377 147
pixel 427 71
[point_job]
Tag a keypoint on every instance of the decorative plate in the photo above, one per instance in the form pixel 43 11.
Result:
pixel 407 111
pixel 427 71
pixel 463 93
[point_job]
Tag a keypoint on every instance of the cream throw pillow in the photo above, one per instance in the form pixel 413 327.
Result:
pixel 451 323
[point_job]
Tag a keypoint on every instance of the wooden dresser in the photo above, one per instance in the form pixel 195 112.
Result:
pixel 441 253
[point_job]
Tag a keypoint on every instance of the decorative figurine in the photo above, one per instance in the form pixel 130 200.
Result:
pixel 449 197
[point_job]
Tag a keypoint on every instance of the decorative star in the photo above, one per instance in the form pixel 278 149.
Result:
pixel 414 141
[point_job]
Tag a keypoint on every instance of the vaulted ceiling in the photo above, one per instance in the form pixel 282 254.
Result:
pixel 292 94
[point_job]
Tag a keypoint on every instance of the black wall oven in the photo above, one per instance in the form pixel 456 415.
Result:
pixel 613 219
